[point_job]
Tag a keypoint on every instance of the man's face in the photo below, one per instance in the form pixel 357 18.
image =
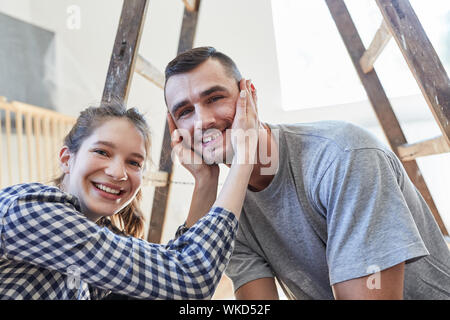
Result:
pixel 205 99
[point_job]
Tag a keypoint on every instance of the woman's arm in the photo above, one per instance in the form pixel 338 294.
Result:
pixel 244 139
pixel 206 176
pixel 47 231
pixel 45 228
pixel 203 197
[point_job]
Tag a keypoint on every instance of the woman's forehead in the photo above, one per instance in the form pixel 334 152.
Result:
pixel 121 133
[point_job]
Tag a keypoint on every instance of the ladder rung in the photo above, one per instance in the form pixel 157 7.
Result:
pixel 156 179
pixel 408 152
pixel 379 42
pixel 149 71
pixel 191 5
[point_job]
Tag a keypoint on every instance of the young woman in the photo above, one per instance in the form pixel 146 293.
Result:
pixel 53 240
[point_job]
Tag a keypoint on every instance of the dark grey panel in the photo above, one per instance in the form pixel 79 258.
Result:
pixel 27 62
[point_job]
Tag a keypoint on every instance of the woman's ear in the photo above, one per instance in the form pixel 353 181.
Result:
pixel 64 159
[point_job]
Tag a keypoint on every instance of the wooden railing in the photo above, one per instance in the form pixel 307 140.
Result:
pixel 30 139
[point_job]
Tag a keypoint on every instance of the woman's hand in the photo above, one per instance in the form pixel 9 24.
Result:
pixel 244 133
pixel 206 176
pixel 244 139
pixel 188 158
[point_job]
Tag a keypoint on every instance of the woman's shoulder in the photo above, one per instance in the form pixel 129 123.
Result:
pixel 35 191
pixel 21 189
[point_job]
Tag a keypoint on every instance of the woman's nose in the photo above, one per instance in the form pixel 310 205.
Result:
pixel 116 170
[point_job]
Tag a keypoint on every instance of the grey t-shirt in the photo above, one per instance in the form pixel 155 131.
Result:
pixel 339 207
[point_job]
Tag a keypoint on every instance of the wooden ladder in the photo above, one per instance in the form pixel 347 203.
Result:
pixel 125 60
pixel 400 22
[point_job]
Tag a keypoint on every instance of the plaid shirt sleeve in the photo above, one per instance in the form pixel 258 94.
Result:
pixel 46 230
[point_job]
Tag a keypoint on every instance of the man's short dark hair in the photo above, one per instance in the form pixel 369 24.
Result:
pixel 190 59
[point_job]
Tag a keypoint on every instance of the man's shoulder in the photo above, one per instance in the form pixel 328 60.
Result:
pixel 343 135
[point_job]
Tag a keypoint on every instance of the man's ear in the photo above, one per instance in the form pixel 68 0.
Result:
pixel 64 159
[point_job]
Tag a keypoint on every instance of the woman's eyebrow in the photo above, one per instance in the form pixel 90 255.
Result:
pixel 106 143
pixel 113 146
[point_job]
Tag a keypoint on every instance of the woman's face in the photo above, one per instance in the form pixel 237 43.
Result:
pixel 106 172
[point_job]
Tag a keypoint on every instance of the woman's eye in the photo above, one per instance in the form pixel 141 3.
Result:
pixel 136 164
pixel 101 152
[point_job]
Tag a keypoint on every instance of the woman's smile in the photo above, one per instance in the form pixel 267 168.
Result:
pixel 108 191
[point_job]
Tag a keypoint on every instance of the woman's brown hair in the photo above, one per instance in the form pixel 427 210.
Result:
pixel 128 221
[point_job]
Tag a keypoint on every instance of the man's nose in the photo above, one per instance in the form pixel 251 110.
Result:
pixel 206 116
pixel 116 170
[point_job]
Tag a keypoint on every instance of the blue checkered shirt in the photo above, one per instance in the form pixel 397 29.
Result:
pixel 49 250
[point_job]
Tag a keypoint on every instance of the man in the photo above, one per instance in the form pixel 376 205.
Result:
pixel 339 218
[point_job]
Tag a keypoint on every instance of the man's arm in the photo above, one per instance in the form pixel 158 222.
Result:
pixel 259 289
pixel 385 285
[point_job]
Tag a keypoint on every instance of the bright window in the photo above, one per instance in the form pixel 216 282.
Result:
pixel 315 68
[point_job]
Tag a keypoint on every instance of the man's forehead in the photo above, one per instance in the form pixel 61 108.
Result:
pixel 190 85
pixel 207 72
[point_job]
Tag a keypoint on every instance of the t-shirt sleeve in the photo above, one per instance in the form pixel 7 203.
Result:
pixel 370 227
pixel 246 264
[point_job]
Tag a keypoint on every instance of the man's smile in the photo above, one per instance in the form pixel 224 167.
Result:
pixel 212 137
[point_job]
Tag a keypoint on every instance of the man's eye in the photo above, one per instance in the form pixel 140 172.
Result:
pixel 184 113
pixel 214 99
